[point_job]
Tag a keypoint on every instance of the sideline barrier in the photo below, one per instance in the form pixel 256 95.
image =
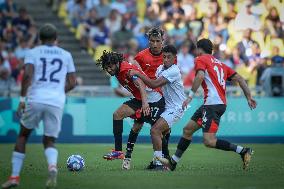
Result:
pixel 90 120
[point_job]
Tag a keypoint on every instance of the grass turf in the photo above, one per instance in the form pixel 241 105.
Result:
pixel 200 167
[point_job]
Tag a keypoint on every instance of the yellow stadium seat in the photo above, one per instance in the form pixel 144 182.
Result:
pixel 62 13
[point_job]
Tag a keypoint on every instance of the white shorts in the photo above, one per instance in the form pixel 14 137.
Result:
pixel 50 115
pixel 172 115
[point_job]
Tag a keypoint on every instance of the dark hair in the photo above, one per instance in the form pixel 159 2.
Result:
pixel 156 32
pixel 109 58
pixel 206 45
pixel 170 49
pixel 47 32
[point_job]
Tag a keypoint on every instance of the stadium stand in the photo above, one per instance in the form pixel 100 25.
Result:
pixel 247 34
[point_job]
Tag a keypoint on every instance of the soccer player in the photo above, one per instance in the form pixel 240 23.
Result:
pixel 49 74
pixel 148 100
pixel 212 75
pixel 149 60
pixel 169 79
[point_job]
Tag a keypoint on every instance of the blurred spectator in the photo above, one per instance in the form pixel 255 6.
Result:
pixel 119 5
pixel 185 60
pixel 245 45
pixel 272 79
pixel 5 70
pixel 79 12
pixel 113 21
pixel 273 23
pixel 9 9
pixel 103 8
pixel 22 22
pixel 99 35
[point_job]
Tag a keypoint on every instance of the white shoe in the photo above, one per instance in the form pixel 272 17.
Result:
pixel 52 179
pixel 126 163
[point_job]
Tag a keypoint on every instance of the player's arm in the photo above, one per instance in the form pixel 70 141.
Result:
pixel 70 82
pixel 141 86
pixel 241 81
pixel 26 82
pixel 134 62
pixel 199 77
pixel 149 82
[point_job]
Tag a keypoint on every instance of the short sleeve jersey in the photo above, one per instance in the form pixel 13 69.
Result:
pixel 174 90
pixel 216 75
pixel 51 64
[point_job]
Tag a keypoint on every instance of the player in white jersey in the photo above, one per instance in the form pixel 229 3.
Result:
pixel 169 79
pixel 49 74
pixel 212 74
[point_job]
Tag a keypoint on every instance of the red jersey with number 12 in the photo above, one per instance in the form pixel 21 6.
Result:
pixel 216 75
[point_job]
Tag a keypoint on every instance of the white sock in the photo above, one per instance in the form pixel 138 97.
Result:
pixel 175 158
pixel 158 154
pixel 239 149
pixel 51 155
pixel 17 162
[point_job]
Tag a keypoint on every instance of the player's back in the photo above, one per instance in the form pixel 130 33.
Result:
pixel 216 75
pixel 51 65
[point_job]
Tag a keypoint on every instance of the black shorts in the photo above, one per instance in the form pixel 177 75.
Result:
pixel 208 117
pixel 157 108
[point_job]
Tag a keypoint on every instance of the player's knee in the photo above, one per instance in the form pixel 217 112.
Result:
pixel 136 129
pixel 208 143
pixel 118 115
pixel 155 131
pixel 187 132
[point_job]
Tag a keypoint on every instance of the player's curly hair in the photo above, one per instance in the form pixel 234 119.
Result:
pixel 109 58
pixel 156 32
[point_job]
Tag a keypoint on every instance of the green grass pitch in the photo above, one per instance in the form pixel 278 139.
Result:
pixel 200 167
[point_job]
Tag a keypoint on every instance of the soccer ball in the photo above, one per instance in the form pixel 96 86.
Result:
pixel 75 163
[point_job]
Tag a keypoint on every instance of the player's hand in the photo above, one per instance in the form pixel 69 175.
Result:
pixel 21 108
pixel 132 73
pixel 186 102
pixel 252 103
pixel 146 109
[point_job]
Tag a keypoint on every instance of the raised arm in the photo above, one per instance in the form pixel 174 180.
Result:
pixel 251 102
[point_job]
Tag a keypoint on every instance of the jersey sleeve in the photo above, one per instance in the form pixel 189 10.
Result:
pixel 171 74
pixel 29 58
pixel 70 65
pixel 199 64
pixel 138 58
pixel 230 72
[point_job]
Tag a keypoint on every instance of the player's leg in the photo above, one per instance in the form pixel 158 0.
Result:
pixel 132 137
pixel 191 127
pixel 127 109
pixel 29 120
pixel 161 127
pixel 18 157
pixel 157 130
pixel 52 117
pixel 211 118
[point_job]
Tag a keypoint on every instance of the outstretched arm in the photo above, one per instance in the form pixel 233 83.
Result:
pixel 196 84
pixel 149 82
pixel 251 102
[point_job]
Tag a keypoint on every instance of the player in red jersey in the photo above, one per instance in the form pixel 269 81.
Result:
pixel 145 99
pixel 149 60
pixel 212 75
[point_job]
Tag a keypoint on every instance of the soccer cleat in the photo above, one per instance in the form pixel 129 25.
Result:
pixel 11 182
pixel 168 162
pixel 52 179
pixel 114 155
pixel 151 165
pixel 126 163
pixel 246 157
